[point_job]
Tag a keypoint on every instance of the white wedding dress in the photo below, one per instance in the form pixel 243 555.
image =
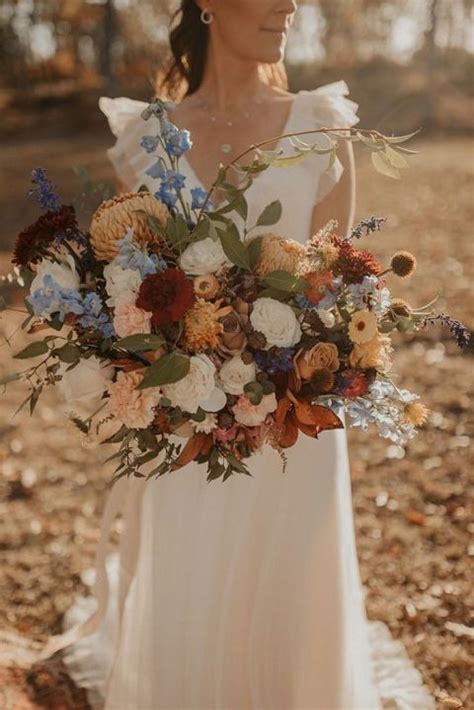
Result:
pixel 243 595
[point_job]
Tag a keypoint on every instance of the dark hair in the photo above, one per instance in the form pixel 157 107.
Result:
pixel 189 40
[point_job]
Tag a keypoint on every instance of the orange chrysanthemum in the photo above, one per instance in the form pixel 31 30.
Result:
pixel 202 328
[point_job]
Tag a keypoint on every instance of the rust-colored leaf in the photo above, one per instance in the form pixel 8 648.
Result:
pixel 315 415
pixel 282 410
pixel 191 450
pixel 206 444
pixel 289 433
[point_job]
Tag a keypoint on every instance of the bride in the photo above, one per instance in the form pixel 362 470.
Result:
pixel 244 594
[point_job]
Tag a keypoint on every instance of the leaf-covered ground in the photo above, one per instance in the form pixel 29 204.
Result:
pixel 413 508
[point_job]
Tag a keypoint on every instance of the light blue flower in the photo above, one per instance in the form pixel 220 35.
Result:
pixel 53 299
pixel 150 143
pixel 157 171
pixel 198 198
pixel 131 256
pixel 367 293
pixel 94 317
pixel 177 142
pixel 168 197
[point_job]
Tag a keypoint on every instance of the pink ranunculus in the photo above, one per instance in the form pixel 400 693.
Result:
pixel 250 414
pixel 133 407
pixel 225 434
pixel 131 320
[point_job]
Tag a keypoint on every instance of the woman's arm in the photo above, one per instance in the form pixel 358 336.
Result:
pixel 339 204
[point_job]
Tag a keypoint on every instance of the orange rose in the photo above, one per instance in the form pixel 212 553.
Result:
pixel 320 356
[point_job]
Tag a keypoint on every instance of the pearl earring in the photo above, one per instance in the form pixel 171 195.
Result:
pixel 206 17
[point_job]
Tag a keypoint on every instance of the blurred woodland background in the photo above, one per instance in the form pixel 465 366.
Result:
pixel 409 64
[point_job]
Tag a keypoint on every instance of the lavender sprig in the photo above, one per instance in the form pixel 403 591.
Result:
pixel 44 192
pixel 459 331
pixel 367 226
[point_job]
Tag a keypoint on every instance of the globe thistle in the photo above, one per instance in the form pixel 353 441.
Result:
pixel 322 382
pixel 400 307
pixel 403 264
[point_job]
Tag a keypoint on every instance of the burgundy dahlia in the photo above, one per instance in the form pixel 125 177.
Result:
pixel 168 295
pixel 34 242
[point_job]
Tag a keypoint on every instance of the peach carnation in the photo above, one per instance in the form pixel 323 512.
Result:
pixel 133 407
pixel 250 414
pixel 129 319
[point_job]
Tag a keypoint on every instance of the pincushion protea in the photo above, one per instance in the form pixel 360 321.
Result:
pixel 114 217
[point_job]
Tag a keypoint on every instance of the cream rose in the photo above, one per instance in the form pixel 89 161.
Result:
pixel 84 385
pixel 130 320
pixel 64 275
pixel 320 356
pixel 203 257
pixel 133 407
pixel 121 284
pixel 276 321
pixel 250 414
pixel 197 389
pixel 235 374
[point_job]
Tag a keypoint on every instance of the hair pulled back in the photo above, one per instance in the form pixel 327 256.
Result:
pixel 183 73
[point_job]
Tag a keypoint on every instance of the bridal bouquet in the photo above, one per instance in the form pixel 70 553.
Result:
pixel 177 337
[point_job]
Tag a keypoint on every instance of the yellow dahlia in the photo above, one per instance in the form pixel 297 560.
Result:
pixel 279 254
pixel 362 326
pixel 416 413
pixel 115 217
pixel 373 353
pixel 202 328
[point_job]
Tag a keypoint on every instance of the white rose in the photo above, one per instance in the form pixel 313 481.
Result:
pixel 235 374
pixel 197 389
pixel 65 275
pixel 328 318
pixel 203 257
pixel 85 384
pixel 276 321
pixel 121 284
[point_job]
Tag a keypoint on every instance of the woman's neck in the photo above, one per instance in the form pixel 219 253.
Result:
pixel 230 82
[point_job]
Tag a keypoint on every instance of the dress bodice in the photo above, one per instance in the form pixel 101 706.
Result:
pixel 298 187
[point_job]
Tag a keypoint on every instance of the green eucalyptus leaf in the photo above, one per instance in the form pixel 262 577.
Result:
pixel 140 342
pixel 254 249
pixel 270 215
pixel 12 377
pixel 40 347
pixel 395 158
pixel 288 160
pixel 383 166
pixel 284 281
pixel 402 139
pixel 168 369
pixel 234 248
pixel 68 353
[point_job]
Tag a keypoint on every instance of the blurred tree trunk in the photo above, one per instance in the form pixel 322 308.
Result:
pixel 432 61
pixel 106 59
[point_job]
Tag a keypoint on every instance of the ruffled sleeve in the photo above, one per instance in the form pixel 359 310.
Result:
pixel 129 160
pixel 329 107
